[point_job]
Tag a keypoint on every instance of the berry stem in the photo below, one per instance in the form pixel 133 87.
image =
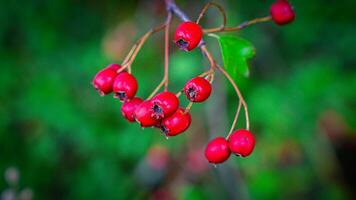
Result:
pixel 179 93
pixel 239 27
pixel 166 50
pixel 165 79
pixel 137 46
pixel 219 7
pixel 156 89
pixel 211 60
pixel 209 72
pixel 189 106
pixel 242 101
pixel 129 54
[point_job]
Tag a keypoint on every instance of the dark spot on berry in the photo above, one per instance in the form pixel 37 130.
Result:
pixel 158 111
pixel 120 95
pixel 192 93
pixel 164 129
pixel 182 44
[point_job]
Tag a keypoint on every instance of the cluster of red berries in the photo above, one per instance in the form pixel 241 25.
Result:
pixel 161 111
pixel 240 142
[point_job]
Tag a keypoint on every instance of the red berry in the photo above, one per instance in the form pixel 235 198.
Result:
pixel 144 114
pixel 188 35
pixel 104 79
pixel 198 89
pixel 128 108
pixel 242 142
pixel 125 86
pixel 176 123
pixel 164 104
pixel 217 151
pixel 282 12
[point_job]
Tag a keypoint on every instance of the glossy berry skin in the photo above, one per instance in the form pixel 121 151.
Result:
pixel 282 12
pixel 217 150
pixel 128 108
pixel 164 104
pixel 125 86
pixel 242 142
pixel 104 79
pixel 144 114
pixel 176 123
pixel 188 35
pixel 198 89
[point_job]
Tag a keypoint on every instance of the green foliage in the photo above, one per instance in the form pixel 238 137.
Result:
pixel 70 143
pixel 235 52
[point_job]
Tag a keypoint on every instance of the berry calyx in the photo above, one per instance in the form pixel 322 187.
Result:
pixel 242 142
pixel 188 35
pixel 176 123
pixel 144 114
pixel 128 108
pixel 197 89
pixel 104 79
pixel 125 86
pixel 282 12
pixel 164 104
pixel 217 150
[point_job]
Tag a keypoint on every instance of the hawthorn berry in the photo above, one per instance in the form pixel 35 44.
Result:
pixel 242 142
pixel 282 12
pixel 176 123
pixel 188 35
pixel 217 150
pixel 198 89
pixel 164 104
pixel 104 79
pixel 128 108
pixel 144 114
pixel 125 86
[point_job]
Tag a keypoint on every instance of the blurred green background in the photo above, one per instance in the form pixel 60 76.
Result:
pixel 60 140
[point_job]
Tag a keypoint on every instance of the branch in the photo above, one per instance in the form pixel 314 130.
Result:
pixel 239 27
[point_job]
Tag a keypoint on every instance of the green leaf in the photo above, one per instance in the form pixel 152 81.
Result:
pixel 235 53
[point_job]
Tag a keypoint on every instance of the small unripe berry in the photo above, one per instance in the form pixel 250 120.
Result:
pixel 164 104
pixel 176 123
pixel 242 142
pixel 188 35
pixel 217 150
pixel 128 108
pixel 144 114
pixel 198 89
pixel 125 86
pixel 282 12
pixel 104 79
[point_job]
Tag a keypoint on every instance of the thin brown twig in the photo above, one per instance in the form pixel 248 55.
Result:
pixel 206 73
pixel 156 89
pixel 129 54
pixel 166 50
pixel 189 106
pixel 242 101
pixel 205 9
pixel 209 56
pixel 164 81
pixel 179 93
pixel 137 46
pixel 239 27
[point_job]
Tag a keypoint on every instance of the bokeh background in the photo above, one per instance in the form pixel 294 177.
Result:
pixel 60 140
